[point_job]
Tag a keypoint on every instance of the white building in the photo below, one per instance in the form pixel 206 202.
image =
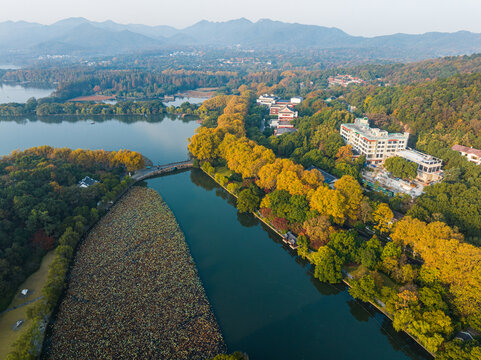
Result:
pixel 267 99
pixel 296 100
pixel 429 167
pixel 375 144
pixel 473 155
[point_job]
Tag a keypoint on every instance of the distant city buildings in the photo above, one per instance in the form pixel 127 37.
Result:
pixel 344 80
pixel 472 155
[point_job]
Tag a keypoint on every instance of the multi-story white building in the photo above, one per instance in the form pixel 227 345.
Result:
pixel 375 144
pixel 429 167
pixel 473 155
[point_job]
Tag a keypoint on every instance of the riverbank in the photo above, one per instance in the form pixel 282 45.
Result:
pixel 345 280
pixel 134 291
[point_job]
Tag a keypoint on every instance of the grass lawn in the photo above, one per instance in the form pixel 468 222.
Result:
pixel 34 283
pixel 224 170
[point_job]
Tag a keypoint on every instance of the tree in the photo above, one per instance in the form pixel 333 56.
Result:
pixel 318 230
pixel 345 153
pixel 371 253
pixel 328 266
pixel 383 217
pixel 330 203
pixel 345 244
pixel 363 289
pixel 352 192
pixel 204 145
pixel 247 201
pixel 401 167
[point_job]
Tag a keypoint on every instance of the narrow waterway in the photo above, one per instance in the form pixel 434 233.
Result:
pixel 266 300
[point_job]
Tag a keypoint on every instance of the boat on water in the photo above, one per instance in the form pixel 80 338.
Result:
pixel 92 122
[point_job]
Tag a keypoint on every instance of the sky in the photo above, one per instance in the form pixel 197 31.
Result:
pixel 356 17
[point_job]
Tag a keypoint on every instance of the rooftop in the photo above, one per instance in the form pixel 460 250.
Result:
pixel 328 178
pixel 467 150
pixel 418 157
pixel 281 131
pixel 361 125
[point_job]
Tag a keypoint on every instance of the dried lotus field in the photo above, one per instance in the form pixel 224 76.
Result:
pixel 134 291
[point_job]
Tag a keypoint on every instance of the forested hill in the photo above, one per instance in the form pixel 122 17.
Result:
pixel 431 69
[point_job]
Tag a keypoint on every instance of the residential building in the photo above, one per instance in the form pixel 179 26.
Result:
pixel 473 155
pixel 296 100
pixel 375 144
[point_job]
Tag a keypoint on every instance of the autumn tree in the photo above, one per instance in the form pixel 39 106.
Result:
pixel 383 217
pixel 318 230
pixel 350 189
pixel 331 203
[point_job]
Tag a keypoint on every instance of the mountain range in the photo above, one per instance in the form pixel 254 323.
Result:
pixel 79 36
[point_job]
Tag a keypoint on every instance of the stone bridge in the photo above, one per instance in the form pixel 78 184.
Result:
pixel 152 171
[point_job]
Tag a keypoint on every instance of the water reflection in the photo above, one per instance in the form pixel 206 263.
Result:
pixel 126 119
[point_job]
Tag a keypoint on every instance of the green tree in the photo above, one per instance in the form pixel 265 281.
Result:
pixel 363 289
pixel 328 266
pixel 247 201
pixel 401 167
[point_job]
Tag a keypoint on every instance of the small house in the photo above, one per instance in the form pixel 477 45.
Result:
pixel 86 182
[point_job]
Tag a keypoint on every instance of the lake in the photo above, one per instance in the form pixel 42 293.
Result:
pixel 20 94
pixel 265 298
pixel 9 67
pixel 180 100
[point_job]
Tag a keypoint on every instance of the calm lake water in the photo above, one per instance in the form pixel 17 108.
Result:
pixel 180 100
pixel 265 298
pixel 8 67
pixel 20 94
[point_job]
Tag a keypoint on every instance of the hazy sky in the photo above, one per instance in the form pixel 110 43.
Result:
pixel 356 17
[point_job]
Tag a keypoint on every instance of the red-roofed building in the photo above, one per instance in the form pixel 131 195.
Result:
pixel 287 113
pixel 473 155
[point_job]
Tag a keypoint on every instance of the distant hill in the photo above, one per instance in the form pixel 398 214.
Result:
pixel 84 37
pixel 89 39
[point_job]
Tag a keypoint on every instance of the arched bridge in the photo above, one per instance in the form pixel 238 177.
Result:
pixel 152 171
